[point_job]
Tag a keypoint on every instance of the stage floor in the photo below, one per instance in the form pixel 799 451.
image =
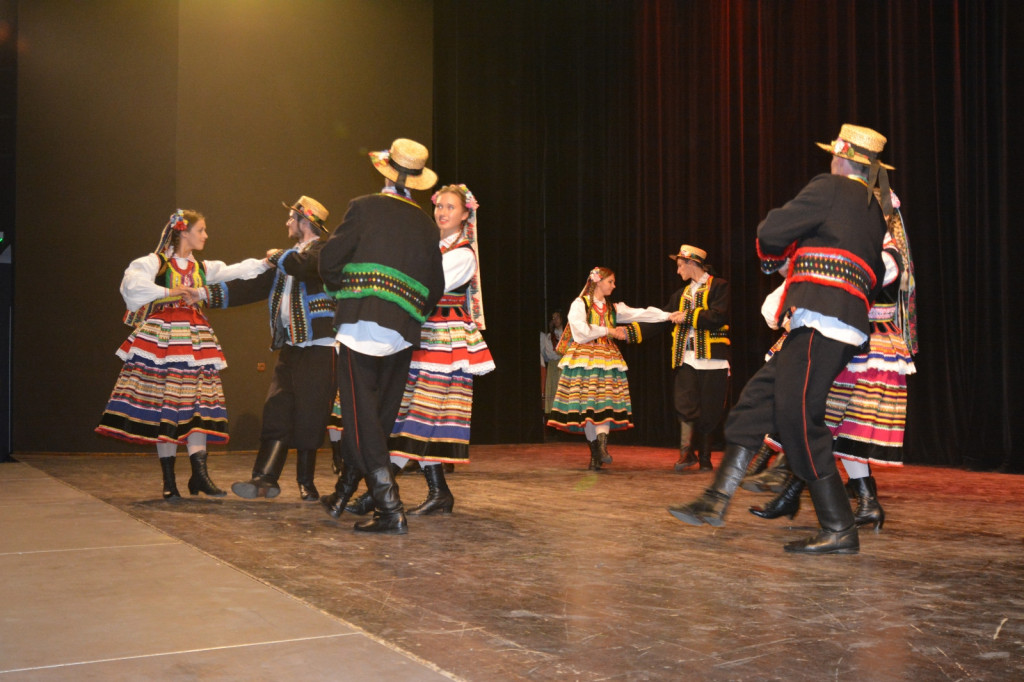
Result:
pixel 549 572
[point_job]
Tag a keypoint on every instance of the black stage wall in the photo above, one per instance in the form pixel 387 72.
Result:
pixel 592 133
pixel 128 110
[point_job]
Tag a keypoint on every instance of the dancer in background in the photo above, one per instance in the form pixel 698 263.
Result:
pixel 700 356
pixel 593 392
pixel 549 360
pixel 169 391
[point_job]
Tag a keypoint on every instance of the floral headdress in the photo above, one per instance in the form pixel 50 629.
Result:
pixel 176 223
pixel 593 278
pixel 474 293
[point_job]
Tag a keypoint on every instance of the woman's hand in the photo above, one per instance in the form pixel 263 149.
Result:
pixel 617 333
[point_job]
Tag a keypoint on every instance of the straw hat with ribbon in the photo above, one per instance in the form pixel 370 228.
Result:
pixel 863 145
pixel 698 256
pixel 405 164
pixel 310 209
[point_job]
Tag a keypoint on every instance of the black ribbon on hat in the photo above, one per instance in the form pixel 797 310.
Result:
pixel 878 175
pixel 403 172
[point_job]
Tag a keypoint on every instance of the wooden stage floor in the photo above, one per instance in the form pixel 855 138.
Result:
pixel 548 572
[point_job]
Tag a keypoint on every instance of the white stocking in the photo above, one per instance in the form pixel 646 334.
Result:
pixel 166 449
pixel 196 442
pixel 857 469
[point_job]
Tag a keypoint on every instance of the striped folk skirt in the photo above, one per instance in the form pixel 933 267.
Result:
pixel 169 386
pixel 434 419
pixel 867 406
pixel 592 388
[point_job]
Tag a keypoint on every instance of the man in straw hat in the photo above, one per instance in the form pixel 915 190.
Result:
pixel 829 237
pixel 700 355
pixel 383 267
pixel 301 392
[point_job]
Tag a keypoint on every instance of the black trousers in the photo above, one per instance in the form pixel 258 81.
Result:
pixel 699 396
pixel 788 396
pixel 370 391
pixel 300 398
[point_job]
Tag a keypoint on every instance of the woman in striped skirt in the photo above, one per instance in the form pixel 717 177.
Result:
pixel 592 397
pixel 433 423
pixel 169 391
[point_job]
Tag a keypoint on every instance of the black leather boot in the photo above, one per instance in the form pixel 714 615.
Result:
pixel 602 448
pixel 838 534
pixel 786 503
pixel 710 507
pixel 439 498
pixel 337 460
pixel 760 462
pixel 390 516
pixel 305 472
pixel 771 480
pixel 686 457
pixel 595 456
pixel 869 511
pixel 200 481
pixel 171 493
pixel 704 456
pixel 335 503
pixel 363 504
pixel 265 472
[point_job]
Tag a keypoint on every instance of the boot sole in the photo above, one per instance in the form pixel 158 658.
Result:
pixel 249 491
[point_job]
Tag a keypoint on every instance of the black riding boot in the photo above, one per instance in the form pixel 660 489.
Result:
pixel 363 504
pixel 704 456
pixel 344 488
pixel 869 511
pixel 171 493
pixel 595 456
pixel 200 481
pixel 390 516
pixel 710 507
pixel 786 503
pixel 760 463
pixel 838 534
pixel 439 497
pixel 602 448
pixel 337 461
pixel 265 472
pixel 771 480
pixel 686 457
pixel 305 472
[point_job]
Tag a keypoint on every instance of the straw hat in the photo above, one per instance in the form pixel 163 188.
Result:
pixel 405 164
pixel 858 144
pixel 310 209
pixel 698 256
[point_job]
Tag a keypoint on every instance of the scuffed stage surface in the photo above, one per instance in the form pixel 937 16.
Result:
pixel 548 572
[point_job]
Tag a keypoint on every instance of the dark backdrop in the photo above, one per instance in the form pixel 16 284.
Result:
pixel 610 133
pixel 128 110
pixel 592 133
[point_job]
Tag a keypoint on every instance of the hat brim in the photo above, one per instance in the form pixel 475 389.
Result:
pixel 867 162
pixel 314 222
pixel 425 180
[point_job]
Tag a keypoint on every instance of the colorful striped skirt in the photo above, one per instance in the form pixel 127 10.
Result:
pixel 592 388
pixel 867 406
pixel 434 419
pixel 170 384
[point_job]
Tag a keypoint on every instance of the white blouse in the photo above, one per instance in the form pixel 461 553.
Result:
pixel 139 288
pixel 583 332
